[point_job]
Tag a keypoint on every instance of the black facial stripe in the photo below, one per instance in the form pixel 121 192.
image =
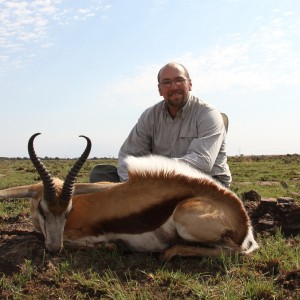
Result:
pixel 41 212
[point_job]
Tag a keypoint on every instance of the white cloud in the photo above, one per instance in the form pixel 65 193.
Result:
pixel 27 23
pixel 262 60
pixel 141 89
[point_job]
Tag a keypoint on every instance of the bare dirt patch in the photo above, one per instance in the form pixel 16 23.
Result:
pixel 19 242
pixel 270 214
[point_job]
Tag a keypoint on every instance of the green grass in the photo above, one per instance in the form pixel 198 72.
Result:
pixel 101 274
pixel 269 176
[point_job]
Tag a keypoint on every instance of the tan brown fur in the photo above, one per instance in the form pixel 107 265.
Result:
pixel 150 201
pixel 163 206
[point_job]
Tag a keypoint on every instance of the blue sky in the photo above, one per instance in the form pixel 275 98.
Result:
pixel 89 67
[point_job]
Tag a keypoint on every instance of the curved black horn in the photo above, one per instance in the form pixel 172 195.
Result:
pixel 49 187
pixel 68 186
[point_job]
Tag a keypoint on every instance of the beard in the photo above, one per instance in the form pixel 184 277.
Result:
pixel 177 98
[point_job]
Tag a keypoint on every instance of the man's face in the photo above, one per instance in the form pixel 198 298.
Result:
pixel 174 86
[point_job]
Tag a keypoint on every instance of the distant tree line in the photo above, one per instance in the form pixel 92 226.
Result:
pixel 57 158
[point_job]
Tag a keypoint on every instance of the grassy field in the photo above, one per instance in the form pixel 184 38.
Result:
pixel 272 272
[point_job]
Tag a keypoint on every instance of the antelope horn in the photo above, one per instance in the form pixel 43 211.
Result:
pixel 68 186
pixel 49 187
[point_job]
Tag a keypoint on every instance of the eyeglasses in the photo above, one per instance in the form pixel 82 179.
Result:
pixel 176 81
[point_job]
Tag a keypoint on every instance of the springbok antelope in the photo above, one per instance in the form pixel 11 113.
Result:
pixel 166 206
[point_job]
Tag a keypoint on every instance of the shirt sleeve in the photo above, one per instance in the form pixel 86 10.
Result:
pixel 138 143
pixel 204 149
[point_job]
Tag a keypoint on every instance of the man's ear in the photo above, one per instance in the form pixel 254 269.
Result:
pixel 190 85
pixel 159 90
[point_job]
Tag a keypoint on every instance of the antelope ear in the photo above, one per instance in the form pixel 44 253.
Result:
pixel 26 191
pixel 86 188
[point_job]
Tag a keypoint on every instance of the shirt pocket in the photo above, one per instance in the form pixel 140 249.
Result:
pixel 188 132
pixel 186 136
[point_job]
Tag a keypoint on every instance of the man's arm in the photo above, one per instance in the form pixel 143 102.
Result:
pixel 204 149
pixel 138 143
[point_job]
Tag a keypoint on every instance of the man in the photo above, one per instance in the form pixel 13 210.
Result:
pixel 180 127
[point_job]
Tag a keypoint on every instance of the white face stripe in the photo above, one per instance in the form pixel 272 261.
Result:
pixel 52 226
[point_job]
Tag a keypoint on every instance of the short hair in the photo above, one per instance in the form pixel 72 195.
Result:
pixel 174 63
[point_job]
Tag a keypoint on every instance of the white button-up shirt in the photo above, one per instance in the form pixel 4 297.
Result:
pixel 196 135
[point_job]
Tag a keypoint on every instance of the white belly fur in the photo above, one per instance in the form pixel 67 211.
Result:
pixel 152 241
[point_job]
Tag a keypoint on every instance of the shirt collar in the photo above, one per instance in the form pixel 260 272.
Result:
pixel 182 112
